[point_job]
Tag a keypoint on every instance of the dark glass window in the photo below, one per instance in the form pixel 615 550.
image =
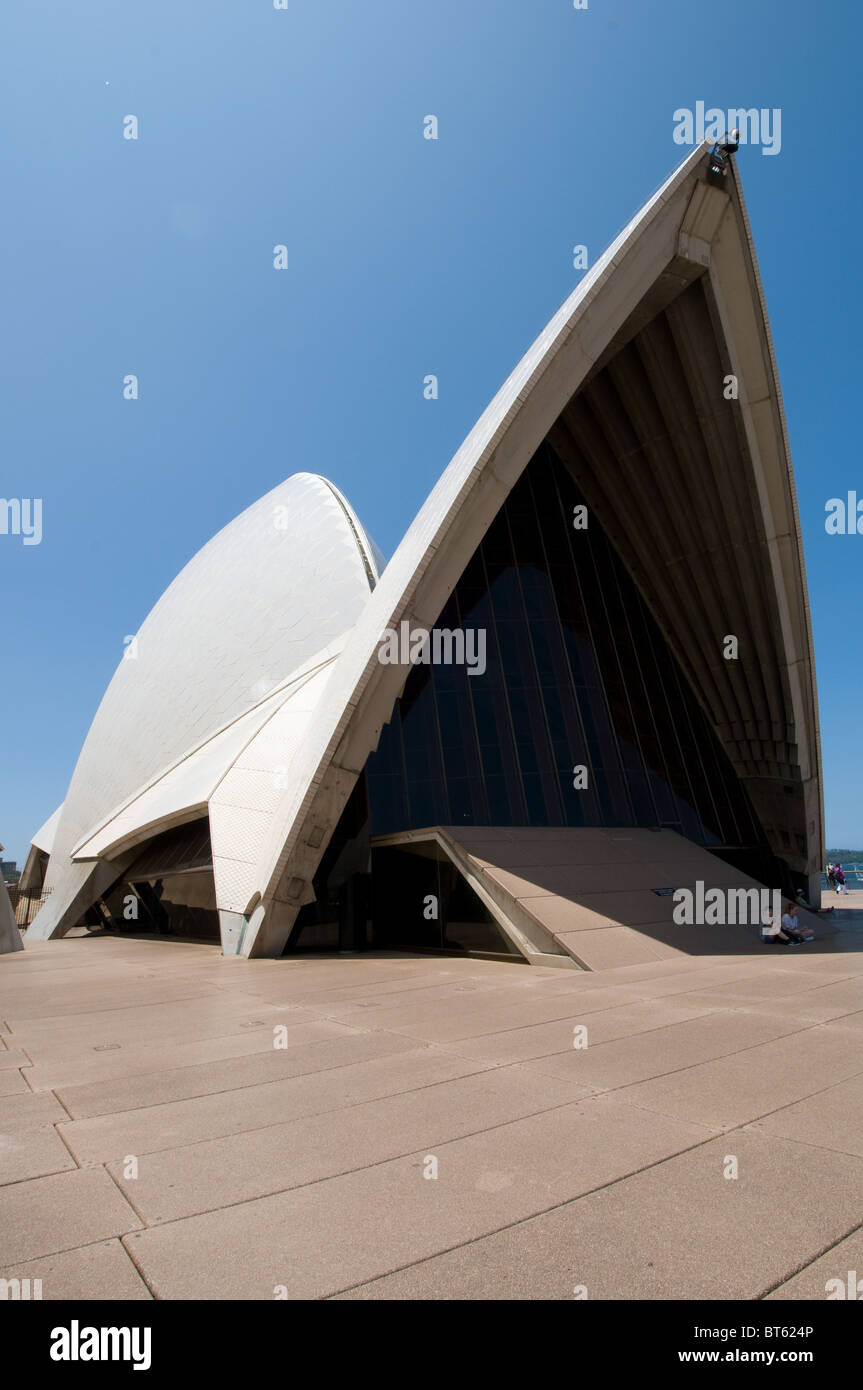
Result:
pixel 578 675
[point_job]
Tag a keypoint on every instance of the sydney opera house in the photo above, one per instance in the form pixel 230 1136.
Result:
pixel 584 679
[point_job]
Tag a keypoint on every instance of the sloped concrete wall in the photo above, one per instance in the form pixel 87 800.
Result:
pixel 10 937
pixel 603 895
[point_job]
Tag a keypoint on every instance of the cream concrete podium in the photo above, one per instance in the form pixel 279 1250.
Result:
pixel 10 937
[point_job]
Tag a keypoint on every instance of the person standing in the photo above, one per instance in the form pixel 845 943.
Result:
pixel 831 877
pixel 839 875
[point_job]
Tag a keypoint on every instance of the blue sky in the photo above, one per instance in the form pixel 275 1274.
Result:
pixel 406 257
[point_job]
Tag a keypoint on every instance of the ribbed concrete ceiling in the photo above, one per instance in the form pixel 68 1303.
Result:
pixel 662 459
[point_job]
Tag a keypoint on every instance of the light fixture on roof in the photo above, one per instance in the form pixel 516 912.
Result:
pixel 717 167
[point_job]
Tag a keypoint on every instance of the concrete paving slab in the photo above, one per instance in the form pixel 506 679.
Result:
pixel 98 1272
pixel 572 996
pixel 258 1107
pixel 46 1215
pixel 631 909
pixel 322 1238
pixel 201 1177
pixel 177 1022
pixel 346 1049
pixel 776 985
pixel 610 946
pixel 690 966
pixel 817 991
pixel 736 1090
pixel 363 1010
pixel 836 1275
pixel 62 1002
pixel 31 1153
pixel 556 1038
pixel 13 1083
pixel 57 1067
pixel 668 979
pixel 805 1009
pixel 29 1112
pixel 327 993
pixel 853 1022
pixel 452 1021
pixel 608 1065
pixel 832 1119
pixel 679 1230
pixel 11 1058
pixel 304 984
pixel 117 1059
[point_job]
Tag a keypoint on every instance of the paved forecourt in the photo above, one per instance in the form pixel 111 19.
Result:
pixel 430 1130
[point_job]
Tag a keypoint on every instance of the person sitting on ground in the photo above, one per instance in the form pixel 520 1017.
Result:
pixel 803 901
pixel 792 928
pixel 772 933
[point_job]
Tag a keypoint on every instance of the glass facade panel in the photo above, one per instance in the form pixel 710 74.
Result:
pixel 577 675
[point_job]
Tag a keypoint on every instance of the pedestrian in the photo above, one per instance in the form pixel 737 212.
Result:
pixel 831 876
pixel 839 875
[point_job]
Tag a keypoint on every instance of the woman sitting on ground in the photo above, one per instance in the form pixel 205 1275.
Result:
pixel 772 933
pixel 784 933
pixel 792 928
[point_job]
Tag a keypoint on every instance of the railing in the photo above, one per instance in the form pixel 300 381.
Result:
pixel 853 876
pixel 25 906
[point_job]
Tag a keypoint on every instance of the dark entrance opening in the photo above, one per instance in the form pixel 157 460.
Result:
pixel 421 902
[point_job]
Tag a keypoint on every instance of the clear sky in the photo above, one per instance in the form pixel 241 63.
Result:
pixel 407 256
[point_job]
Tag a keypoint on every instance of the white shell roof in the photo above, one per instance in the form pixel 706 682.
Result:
pixel 279 584
pixel 44 837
